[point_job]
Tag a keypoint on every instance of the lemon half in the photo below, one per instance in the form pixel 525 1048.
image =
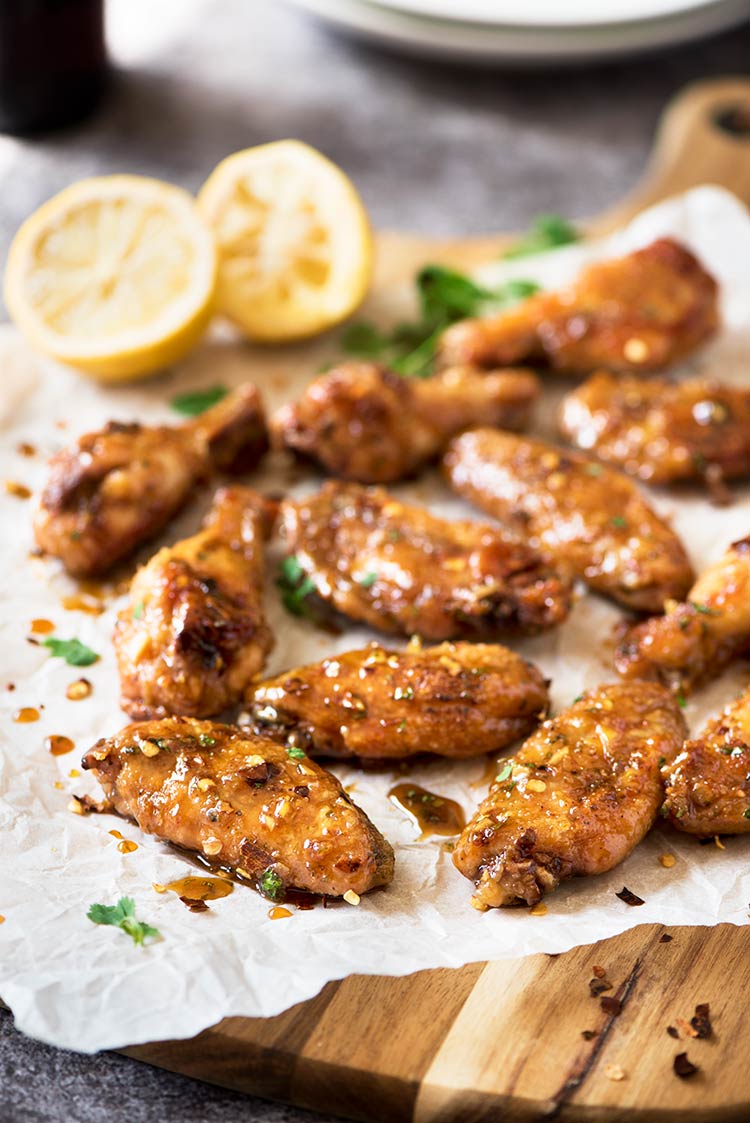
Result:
pixel 115 275
pixel 294 240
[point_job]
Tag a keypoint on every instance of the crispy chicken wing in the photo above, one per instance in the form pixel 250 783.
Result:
pixel 363 422
pixel 576 798
pixel 695 640
pixel 708 785
pixel 243 803
pixel 457 700
pixel 640 312
pixel 659 430
pixel 117 487
pixel 193 634
pixel 402 570
pixel 591 520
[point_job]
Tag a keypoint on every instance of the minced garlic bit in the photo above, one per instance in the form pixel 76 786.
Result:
pixel 75 806
pixel 74 774
pixel 719 843
pixel 205 783
pixel 414 644
pixel 158 887
pixel 478 904
pixel 59 785
pixel 614 1072
pixel 635 350
pixel 536 786
pixel 667 860
pixel 539 909
pixel 79 689
pixel 212 846
pixel 351 897
pixel 148 748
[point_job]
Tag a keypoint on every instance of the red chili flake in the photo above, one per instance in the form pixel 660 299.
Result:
pixel 673 1032
pixel 701 1022
pixel 611 1005
pixel 194 904
pixel 629 897
pixel 683 1067
pixel 665 938
pixel 599 972
pixel 685 1028
pixel 598 986
pixel 588 1034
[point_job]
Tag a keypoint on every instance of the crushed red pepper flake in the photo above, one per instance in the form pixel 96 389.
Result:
pixel 598 986
pixel 665 938
pixel 701 1021
pixel 685 1028
pixel 588 1034
pixel 195 904
pixel 629 897
pixel 611 1005
pixel 673 1032
pixel 599 971
pixel 683 1067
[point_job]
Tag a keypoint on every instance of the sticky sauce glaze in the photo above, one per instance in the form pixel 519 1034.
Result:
pixel 201 888
pixel 278 912
pixel 41 627
pixel 433 814
pixel 58 745
pixel 25 715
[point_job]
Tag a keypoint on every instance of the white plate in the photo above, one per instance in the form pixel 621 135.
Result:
pixel 522 46
pixel 546 13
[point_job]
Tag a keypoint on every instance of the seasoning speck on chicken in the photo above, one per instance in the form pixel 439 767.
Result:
pixel 576 798
pixel 117 487
pixel 363 422
pixel 193 634
pixel 640 312
pixel 276 821
pixel 456 700
pixel 590 520
pixel 403 570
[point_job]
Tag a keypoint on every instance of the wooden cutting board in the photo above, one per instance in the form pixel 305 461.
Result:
pixel 504 1040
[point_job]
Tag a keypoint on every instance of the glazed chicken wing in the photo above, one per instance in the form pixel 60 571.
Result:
pixel 659 430
pixel 193 634
pixel 402 570
pixel 244 804
pixel 457 700
pixel 575 799
pixel 695 640
pixel 117 487
pixel 708 785
pixel 589 519
pixel 640 312
pixel 363 422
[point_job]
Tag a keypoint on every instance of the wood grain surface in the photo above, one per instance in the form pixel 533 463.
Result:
pixel 505 1041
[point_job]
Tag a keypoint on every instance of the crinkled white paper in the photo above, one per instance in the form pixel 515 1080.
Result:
pixel 87 987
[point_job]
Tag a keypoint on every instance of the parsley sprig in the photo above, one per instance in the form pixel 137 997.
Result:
pixel 295 587
pixel 196 402
pixel 445 296
pixel 122 915
pixel 547 232
pixel 75 653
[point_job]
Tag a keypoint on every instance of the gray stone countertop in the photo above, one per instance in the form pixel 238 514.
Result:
pixel 434 148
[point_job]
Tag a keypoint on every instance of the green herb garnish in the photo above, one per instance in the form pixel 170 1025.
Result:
pixel 74 652
pixel 403 694
pixel 205 741
pixel 547 232
pixel 295 587
pixel 138 610
pixel 504 774
pixel 704 609
pixel 368 580
pixel 682 701
pixel 619 522
pixel 295 753
pixel 746 813
pixel 196 402
pixel 122 915
pixel 271 884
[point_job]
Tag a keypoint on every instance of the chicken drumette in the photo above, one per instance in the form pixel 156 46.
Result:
pixel 402 570
pixel 243 803
pixel 363 422
pixel 193 634
pixel 696 639
pixel 640 312
pixel 708 785
pixel 119 486
pixel 577 797
pixel 659 430
pixel 591 520
pixel 456 700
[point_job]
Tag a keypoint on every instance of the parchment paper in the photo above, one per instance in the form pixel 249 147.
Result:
pixel 87 987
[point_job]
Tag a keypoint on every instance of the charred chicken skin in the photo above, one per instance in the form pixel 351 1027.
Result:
pixel 193 634
pixel 708 785
pixel 592 521
pixel 242 803
pixel 641 312
pixel 659 430
pixel 402 570
pixel 117 487
pixel 363 422
pixel 456 700
pixel 696 639
pixel 576 798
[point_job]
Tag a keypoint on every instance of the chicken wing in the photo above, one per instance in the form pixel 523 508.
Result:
pixel 117 487
pixel 708 785
pixel 193 634
pixel 576 798
pixel 695 640
pixel 456 700
pixel 363 422
pixel 244 804
pixel 402 570
pixel 591 520
pixel 659 430
pixel 640 312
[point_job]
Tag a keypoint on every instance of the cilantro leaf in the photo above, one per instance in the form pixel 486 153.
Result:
pixel 364 340
pixel 295 587
pixel 122 915
pixel 295 753
pixel 74 652
pixel 505 773
pixel 138 610
pixel 547 232
pixel 368 580
pixel 196 402
pixel 271 884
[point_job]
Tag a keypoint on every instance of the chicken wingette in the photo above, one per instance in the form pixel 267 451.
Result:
pixel 576 798
pixel 456 700
pixel 243 803
pixel 193 634
pixel 640 312
pixel 117 487
pixel 590 520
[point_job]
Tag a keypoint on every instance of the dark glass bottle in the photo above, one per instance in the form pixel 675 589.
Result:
pixel 53 62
